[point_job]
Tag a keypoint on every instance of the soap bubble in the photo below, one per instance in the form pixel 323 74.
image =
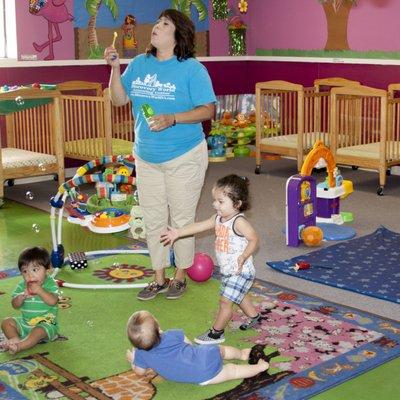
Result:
pixel 42 167
pixel 36 228
pixel 89 324
pixel 20 100
pixel 116 264
pixel 29 195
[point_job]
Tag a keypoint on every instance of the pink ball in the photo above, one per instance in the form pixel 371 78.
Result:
pixel 202 268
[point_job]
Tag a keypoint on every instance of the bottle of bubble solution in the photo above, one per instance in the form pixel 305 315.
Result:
pixel 147 112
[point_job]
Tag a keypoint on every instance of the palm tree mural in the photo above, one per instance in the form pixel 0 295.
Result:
pixel 92 7
pixel 337 15
pixel 185 7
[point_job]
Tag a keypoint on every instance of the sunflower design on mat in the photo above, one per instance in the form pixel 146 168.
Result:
pixel 123 273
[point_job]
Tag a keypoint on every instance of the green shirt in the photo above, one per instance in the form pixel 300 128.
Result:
pixel 34 309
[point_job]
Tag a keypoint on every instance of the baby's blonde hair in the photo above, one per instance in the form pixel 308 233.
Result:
pixel 143 330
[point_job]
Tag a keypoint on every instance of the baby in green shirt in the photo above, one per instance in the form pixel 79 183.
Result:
pixel 37 297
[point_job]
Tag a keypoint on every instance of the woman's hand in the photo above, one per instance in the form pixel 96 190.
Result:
pixel 160 122
pixel 111 56
pixel 170 236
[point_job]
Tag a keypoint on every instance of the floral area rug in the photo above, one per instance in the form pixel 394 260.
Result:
pixel 311 345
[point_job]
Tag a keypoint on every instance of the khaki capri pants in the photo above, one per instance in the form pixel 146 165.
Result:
pixel 168 194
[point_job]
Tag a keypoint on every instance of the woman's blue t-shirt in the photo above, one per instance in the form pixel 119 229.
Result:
pixel 178 361
pixel 169 87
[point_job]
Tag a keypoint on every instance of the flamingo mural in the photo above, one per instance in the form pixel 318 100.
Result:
pixel 55 12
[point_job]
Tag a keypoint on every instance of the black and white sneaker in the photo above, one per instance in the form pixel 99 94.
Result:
pixel 251 324
pixel 210 337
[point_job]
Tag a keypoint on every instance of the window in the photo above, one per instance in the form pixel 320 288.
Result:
pixel 8 30
pixel 2 30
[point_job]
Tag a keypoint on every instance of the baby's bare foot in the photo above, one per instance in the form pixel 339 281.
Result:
pixel 245 354
pixel 263 365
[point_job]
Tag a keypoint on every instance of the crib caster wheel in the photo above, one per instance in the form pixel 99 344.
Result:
pixel 388 172
pixel 354 167
pixel 379 191
pixel 257 170
pixel 10 182
pixel 55 177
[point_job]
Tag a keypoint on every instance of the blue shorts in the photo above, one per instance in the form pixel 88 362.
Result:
pixel 235 287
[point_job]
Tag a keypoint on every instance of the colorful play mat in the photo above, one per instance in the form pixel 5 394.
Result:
pixel 312 345
pixel 369 265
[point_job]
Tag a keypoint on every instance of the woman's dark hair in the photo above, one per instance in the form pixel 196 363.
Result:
pixel 237 189
pixel 34 255
pixel 184 35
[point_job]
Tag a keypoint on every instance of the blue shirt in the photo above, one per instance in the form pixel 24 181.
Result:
pixel 169 87
pixel 178 361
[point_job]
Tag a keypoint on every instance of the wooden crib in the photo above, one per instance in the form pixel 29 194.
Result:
pixel 32 144
pixel 360 135
pixel 279 120
pixel 92 126
pixel 317 110
pixel 122 126
pixel 83 88
pixel 291 118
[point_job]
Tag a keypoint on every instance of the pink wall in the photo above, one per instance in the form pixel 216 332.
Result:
pixel 219 42
pixel 283 24
pixel 374 25
pixel 301 24
pixel 34 28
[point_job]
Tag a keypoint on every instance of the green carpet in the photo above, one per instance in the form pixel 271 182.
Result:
pixel 380 383
pixel 22 226
pixel 95 327
pixel 95 321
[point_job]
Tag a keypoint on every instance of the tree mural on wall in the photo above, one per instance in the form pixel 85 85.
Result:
pixel 337 15
pixel 92 7
pixel 185 7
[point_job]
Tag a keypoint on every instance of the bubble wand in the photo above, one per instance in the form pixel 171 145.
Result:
pixel 113 44
pixel 115 37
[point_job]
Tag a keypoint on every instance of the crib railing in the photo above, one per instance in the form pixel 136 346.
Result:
pixel 393 124
pixel 317 109
pixel 86 126
pixel 32 123
pixel 279 112
pixel 316 118
pixel 358 116
pixel 359 134
pixel 122 122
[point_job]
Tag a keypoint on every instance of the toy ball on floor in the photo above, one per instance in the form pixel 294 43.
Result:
pixel 202 268
pixel 312 236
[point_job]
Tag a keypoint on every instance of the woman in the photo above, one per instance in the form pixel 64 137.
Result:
pixel 171 93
